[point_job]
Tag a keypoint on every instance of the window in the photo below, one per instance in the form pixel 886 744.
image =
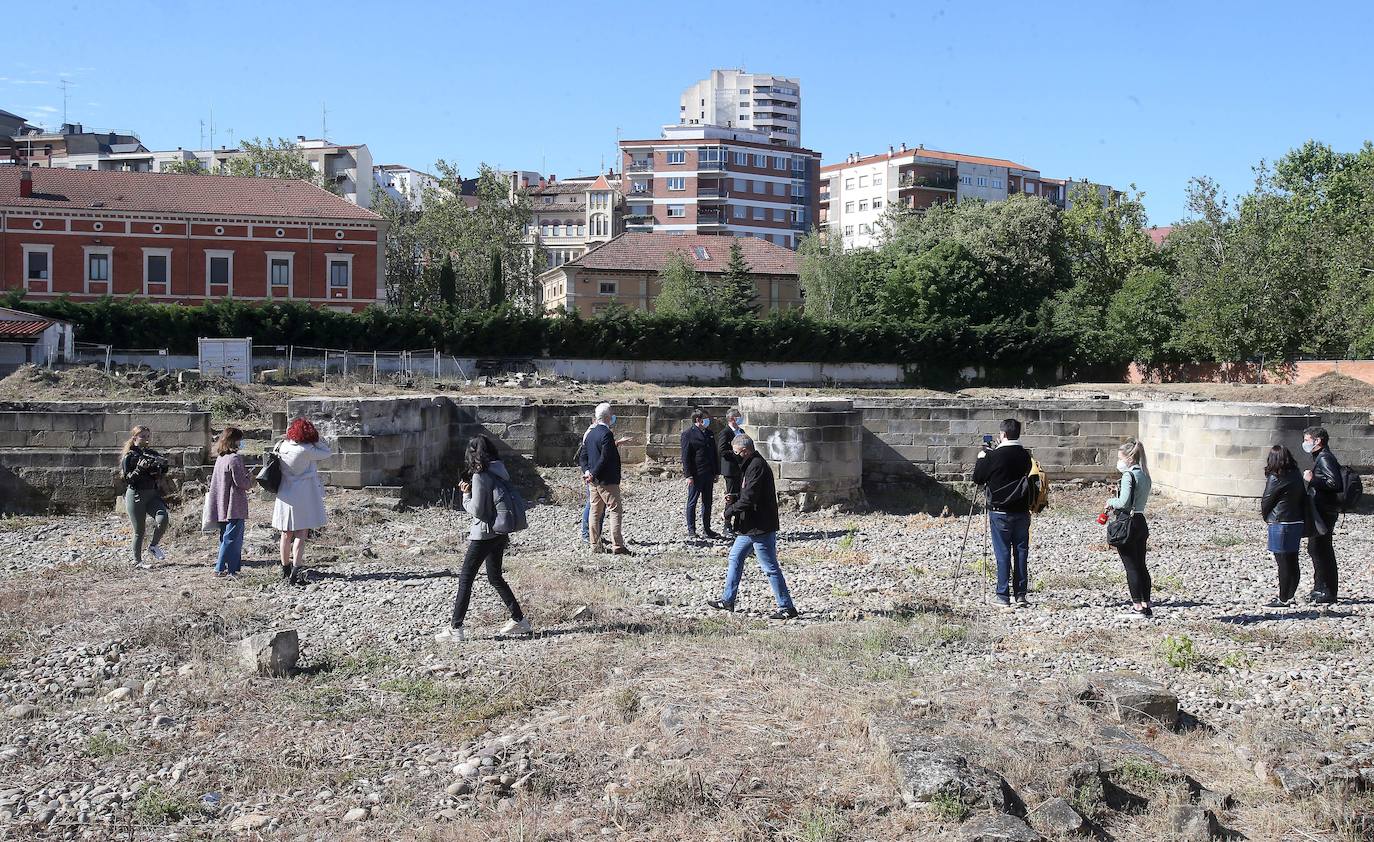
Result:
pixel 997 182
pixel 677 157
pixel 758 212
pixel 280 269
pixel 849 230
pixel 877 204
pixel 877 181
pixel 219 274
pixel 743 118
pixel 741 158
pixel 157 271
pixel 677 183
pixel 340 275
pixel 965 179
pixel 601 225
pixel 700 253
pixel 741 185
pixel 743 92
pixel 779 162
pixel 863 181
pixel 677 210
pixel 760 161
pixel 548 200
pixel 863 206
pixel 798 189
pixel 761 187
pixel 740 211
pixel 38 268
pixel 98 267
pixel 982 181
pixel 1030 188
pixel 849 184
pixel 779 215
pixel 779 188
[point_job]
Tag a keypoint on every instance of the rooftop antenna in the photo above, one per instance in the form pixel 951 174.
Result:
pixel 212 128
pixel 617 146
pixel 324 121
pixel 202 133
pixel 64 83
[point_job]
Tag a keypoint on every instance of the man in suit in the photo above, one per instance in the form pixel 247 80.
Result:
pixel 729 462
pixel 700 465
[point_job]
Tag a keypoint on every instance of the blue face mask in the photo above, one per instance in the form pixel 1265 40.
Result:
pixel 739 422
pixel 705 422
pixel 611 423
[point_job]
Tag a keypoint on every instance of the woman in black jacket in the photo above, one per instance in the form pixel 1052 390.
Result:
pixel 1284 507
pixel 142 468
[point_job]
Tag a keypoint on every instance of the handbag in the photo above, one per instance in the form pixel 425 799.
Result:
pixel 269 477
pixel 207 523
pixel 1119 525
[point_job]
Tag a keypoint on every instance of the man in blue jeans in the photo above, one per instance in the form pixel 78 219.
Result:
pixel 755 515
pixel 1003 469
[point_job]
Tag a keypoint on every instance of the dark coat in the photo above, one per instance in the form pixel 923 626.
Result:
pixel 142 468
pixel 729 462
pixel 756 510
pixel 699 454
pixel 1000 470
pixel 1326 483
pixel 603 456
pixel 1285 498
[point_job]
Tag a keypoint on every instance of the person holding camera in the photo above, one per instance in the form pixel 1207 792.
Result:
pixel 143 469
pixel 1325 484
pixel 1003 470
pixel 1132 495
pixel 700 467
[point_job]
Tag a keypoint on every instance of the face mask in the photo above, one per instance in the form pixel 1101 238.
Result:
pixel 705 422
pixel 611 423
pixel 1122 466
pixel 739 422
pixel 1307 447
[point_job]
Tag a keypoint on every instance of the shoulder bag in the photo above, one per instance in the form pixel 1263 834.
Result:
pixel 1119 525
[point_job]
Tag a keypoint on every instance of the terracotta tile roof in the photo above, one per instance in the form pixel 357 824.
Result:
pixel 644 251
pixel 1159 232
pixel 928 153
pixel 176 193
pixel 22 329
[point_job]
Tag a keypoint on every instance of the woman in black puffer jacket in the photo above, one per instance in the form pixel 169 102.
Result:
pixel 1284 508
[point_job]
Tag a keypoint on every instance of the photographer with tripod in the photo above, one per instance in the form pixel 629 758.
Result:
pixel 1003 468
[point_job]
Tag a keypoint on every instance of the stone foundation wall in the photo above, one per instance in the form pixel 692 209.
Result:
pixel 66 454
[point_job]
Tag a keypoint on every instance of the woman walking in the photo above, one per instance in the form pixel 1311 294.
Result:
pixel 1133 496
pixel 1284 508
pixel 143 468
pixel 484 471
pixel 229 485
pixel 300 498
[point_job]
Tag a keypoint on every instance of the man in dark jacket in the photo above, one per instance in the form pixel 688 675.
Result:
pixel 700 466
pixel 1324 480
pixel 729 462
pixel 602 473
pixel 755 513
pixel 1003 470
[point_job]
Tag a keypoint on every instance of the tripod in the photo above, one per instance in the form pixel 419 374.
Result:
pixel 987 536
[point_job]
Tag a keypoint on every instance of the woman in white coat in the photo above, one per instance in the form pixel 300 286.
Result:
pixel 300 498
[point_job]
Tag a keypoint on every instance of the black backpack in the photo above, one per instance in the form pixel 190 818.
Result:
pixel 510 508
pixel 269 477
pixel 1352 489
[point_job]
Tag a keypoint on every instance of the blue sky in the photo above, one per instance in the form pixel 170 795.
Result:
pixel 1150 93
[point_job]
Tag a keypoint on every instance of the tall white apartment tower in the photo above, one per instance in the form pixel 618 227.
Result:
pixel 759 102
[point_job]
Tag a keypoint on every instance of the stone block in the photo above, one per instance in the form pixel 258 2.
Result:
pixel 1130 697
pixel 270 653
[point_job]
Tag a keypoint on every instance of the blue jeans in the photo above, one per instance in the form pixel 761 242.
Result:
pixel 230 547
pixel 1011 546
pixel 765 549
pixel 587 515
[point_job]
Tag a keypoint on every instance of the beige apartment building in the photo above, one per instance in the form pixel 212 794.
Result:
pixel 569 217
pixel 625 271
pixel 734 99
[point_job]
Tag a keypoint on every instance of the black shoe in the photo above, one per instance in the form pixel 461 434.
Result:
pixel 621 551
pixel 721 605
pixel 298 576
pixel 692 534
pixel 285 572
pixel 1004 601
pixel 714 535
pixel 787 613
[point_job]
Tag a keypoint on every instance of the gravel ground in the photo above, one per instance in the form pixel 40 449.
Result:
pixel 127 716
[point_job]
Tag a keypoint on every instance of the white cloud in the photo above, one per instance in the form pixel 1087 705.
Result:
pixel 46 109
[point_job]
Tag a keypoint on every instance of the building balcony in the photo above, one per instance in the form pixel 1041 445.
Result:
pixel 711 166
pixel 639 218
pixel 710 193
pixel 640 166
pixel 928 182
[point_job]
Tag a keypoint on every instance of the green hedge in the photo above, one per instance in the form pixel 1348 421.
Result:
pixel 620 334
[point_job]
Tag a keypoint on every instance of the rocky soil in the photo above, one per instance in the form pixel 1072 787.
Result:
pixel 901 705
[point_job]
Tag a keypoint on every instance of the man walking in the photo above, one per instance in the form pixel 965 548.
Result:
pixel 1325 481
pixel 729 462
pixel 756 520
pixel 602 473
pixel 1004 470
pixel 700 465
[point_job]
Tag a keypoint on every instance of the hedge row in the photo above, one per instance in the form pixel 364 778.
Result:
pixel 131 323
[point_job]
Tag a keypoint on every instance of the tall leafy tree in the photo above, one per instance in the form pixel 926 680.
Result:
pixel 943 285
pixel 448 284
pixel 471 229
pixel 741 294
pixel 1143 317
pixel 276 159
pixel 828 281
pixel 406 282
pixel 683 291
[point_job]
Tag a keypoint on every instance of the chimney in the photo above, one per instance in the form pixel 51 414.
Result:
pixel 890 150
pixel 300 138
pixel 25 183
pixel 904 146
pixel 525 183
pixel 552 178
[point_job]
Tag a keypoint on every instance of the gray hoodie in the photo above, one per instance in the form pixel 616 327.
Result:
pixel 480 501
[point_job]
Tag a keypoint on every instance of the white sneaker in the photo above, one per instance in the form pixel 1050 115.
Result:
pixel 522 626
pixel 450 636
pixel 157 552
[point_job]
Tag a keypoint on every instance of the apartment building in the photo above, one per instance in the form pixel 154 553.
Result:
pixel 404 185
pixel 758 102
pixel 625 271
pixel 855 193
pixel 185 239
pixel 569 217
pixel 73 146
pixel 714 180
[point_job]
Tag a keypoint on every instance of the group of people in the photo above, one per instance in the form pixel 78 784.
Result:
pixel 1295 504
pixel 297 510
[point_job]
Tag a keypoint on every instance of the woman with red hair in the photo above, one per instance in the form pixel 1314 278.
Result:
pixel 300 499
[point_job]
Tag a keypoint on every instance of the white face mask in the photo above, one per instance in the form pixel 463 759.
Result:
pixel 1307 447
pixel 1122 466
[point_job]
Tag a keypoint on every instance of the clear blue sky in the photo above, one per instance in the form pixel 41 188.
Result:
pixel 1150 93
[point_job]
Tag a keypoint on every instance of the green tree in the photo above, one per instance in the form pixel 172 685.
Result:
pixel 406 281
pixel 682 290
pixel 1143 317
pixel 741 294
pixel 276 159
pixel 189 167
pixel 828 281
pixel 496 285
pixel 472 228
pixel 943 286
pixel 448 284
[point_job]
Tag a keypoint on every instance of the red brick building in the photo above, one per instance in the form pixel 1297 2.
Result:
pixel 185 238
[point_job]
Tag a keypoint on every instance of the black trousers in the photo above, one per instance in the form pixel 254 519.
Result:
pixel 1133 559
pixel 703 489
pixel 1323 555
pixel 732 486
pixel 489 551
pixel 1290 574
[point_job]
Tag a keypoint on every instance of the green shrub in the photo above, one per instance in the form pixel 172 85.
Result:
pixel 103 746
pixel 1179 652
pixel 156 805
pixel 949 806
